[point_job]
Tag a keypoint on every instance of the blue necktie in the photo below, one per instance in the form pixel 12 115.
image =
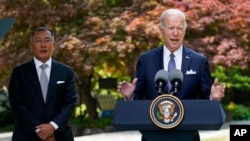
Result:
pixel 171 66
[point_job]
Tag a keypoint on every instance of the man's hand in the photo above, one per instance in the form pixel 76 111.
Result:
pixel 45 131
pixel 217 91
pixel 127 89
pixel 51 138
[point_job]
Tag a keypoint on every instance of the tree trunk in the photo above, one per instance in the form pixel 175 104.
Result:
pixel 84 88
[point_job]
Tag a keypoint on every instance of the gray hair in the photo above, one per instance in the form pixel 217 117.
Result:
pixel 172 12
pixel 42 29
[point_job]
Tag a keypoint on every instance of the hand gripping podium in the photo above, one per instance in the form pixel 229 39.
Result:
pixel 198 115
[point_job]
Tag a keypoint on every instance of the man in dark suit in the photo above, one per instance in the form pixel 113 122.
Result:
pixel 42 116
pixel 197 82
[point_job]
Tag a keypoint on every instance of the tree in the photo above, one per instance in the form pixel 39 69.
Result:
pixel 113 33
pixel 80 28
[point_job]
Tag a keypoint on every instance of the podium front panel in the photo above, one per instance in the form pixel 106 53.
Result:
pixel 198 115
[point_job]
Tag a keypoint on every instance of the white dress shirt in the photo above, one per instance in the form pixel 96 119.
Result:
pixel 47 71
pixel 177 58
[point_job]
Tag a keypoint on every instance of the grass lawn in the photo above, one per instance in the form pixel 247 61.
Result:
pixel 224 138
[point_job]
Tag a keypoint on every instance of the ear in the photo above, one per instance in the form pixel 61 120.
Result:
pixel 30 46
pixel 161 30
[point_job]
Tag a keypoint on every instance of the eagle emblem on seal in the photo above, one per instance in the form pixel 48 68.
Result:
pixel 167 111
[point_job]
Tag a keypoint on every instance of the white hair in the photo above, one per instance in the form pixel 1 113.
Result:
pixel 172 12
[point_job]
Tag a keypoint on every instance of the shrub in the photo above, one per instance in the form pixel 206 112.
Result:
pixel 238 111
pixel 6 117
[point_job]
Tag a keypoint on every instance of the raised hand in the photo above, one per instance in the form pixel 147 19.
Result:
pixel 217 91
pixel 126 89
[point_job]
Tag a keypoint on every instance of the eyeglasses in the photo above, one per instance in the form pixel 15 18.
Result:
pixel 40 41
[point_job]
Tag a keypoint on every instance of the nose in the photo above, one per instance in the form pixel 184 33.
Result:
pixel 43 43
pixel 175 32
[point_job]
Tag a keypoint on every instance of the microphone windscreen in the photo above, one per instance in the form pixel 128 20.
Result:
pixel 176 74
pixel 161 75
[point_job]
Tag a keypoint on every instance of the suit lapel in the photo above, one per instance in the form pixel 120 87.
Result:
pixel 32 76
pixel 158 58
pixel 186 60
pixel 52 81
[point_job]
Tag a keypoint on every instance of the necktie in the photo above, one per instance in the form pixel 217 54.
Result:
pixel 171 66
pixel 44 81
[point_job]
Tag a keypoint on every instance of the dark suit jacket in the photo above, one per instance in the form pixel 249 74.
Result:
pixel 195 85
pixel 28 106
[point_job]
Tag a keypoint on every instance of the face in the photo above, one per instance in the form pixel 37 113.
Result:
pixel 42 45
pixel 173 31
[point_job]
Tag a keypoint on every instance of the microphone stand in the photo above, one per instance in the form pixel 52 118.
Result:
pixel 175 87
pixel 160 88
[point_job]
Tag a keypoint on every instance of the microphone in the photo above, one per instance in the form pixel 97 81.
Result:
pixel 161 79
pixel 176 78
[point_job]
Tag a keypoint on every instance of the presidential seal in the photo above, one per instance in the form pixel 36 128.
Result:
pixel 166 111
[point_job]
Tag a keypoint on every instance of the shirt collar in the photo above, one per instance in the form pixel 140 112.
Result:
pixel 178 52
pixel 39 63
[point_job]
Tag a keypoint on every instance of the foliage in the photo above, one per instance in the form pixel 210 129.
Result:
pixel 238 111
pixel 103 38
pixel 6 117
pixel 102 122
pixel 237 84
pixel 98 123
pixel 235 77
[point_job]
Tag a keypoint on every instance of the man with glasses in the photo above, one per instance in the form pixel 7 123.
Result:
pixel 42 93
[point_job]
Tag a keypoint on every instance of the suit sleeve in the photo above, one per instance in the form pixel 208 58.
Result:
pixel 69 102
pixel 18 106
pixel 206 81
pixel 139 93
